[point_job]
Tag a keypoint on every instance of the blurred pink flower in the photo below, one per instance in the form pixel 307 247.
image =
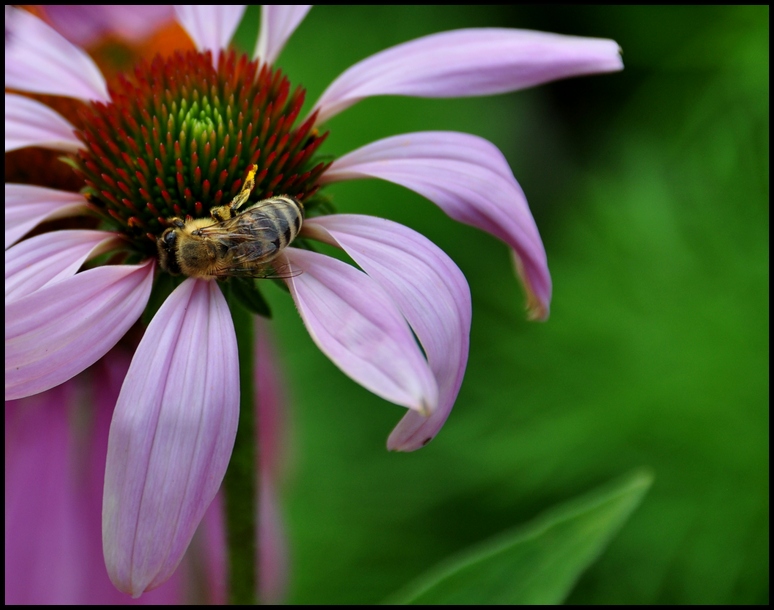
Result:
pixel 55 448
pixel 143 158
pixel 58 439
pixel 85 24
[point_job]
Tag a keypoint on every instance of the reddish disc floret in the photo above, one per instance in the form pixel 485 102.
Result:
pixel 178 138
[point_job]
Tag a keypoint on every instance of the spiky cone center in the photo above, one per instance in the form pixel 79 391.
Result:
pixel 179 136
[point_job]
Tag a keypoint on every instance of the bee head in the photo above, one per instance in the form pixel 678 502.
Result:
pixel 167 245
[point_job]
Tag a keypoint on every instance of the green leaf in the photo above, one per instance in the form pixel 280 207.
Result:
pixel 164 285
pixel 250 297
pixel 538 563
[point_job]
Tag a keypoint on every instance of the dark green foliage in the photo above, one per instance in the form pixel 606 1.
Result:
pixel 650 188
pixel 248 293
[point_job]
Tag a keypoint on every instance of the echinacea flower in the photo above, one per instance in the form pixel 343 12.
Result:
pixel 177 138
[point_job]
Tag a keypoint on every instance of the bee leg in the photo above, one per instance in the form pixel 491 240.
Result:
pixel 221 213
pixel 224 212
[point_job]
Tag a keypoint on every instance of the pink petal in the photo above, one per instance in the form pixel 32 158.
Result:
pixel 30 123
pixel 48 258
pixel 106 379
pixel 56 332
pixel 356 324
pixel 83 24
pixel 55 460
pixel 278 22
pixel 27 206
pixel 468 178
pixel 430 292
pixel 210 26
pixel 38 59
pixel 171 437
pixel 462 63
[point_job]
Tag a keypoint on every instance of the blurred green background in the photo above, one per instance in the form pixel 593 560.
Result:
pixel 650 189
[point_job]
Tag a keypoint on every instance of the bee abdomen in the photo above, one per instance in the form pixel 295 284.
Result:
pixel 275 223
pixel 288 215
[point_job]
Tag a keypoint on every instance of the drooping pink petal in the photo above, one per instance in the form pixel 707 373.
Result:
pixel 430 292
pixel 462 63
pixel 48 258
pixel 171 437
pixel 56 332
pixel 356 324
pixel 107 377
pixel 210 26
pixel 83 24
pixel 30 123
pixel 40 60
pixel 278 22
pixel 27 206
pixel 467 177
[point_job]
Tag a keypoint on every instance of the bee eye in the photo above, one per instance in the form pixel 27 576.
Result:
pixel 169 237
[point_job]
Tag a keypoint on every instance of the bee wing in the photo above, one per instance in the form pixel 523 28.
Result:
pixel 283 269
pixel 239 229
pixel 271 271
pixel 281 272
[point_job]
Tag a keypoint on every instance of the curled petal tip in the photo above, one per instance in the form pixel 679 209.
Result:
pixel 537 315
pixel 468 178
pixel 432 295
pixel 404 445
pixel 537 311
pixel 537 285
pixel 619 59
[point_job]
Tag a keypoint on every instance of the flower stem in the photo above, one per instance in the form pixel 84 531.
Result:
pixel 240 483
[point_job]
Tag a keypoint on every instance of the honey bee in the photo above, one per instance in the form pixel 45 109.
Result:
pixel 235 241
